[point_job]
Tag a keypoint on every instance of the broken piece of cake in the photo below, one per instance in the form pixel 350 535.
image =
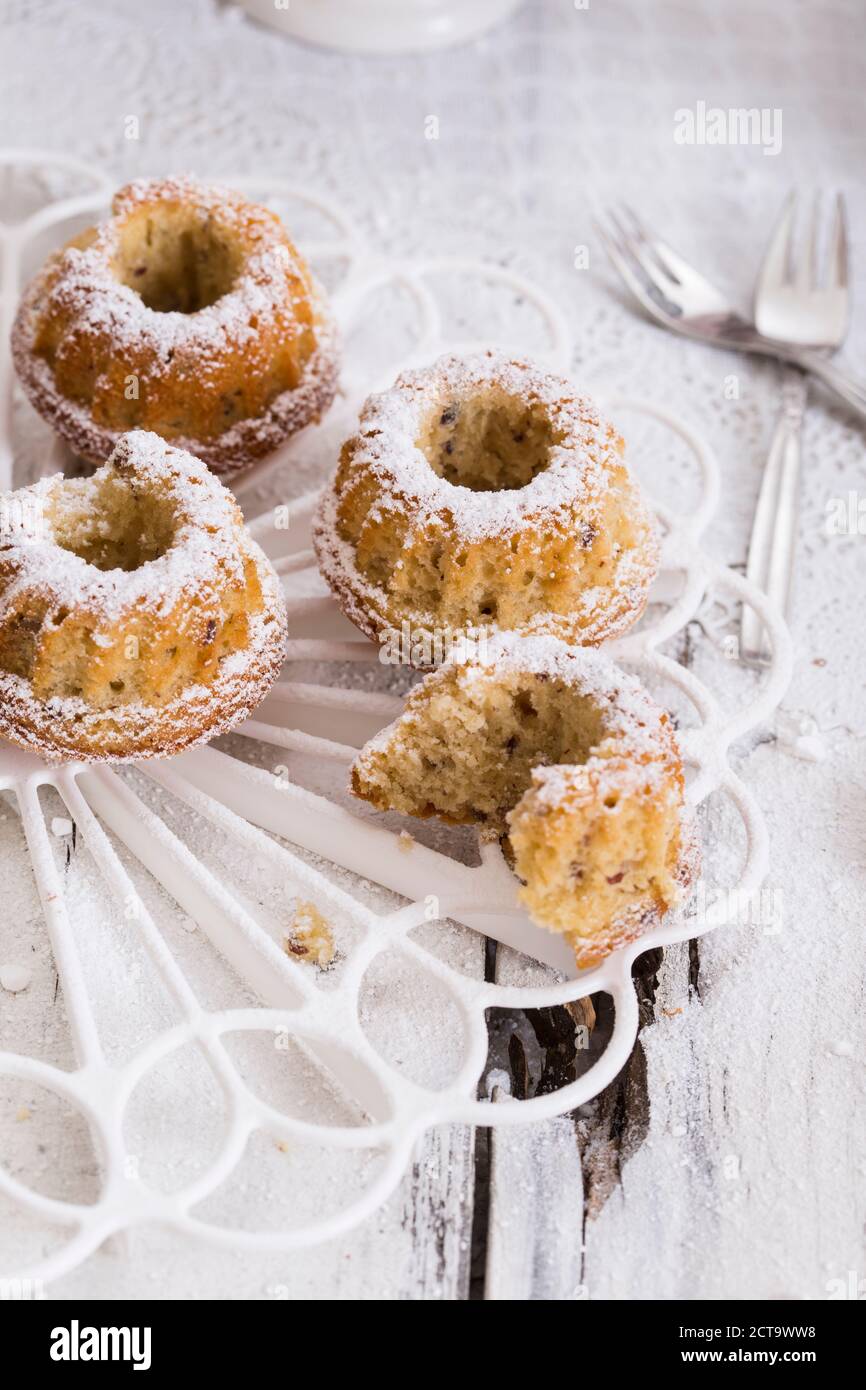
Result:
pixel 567 759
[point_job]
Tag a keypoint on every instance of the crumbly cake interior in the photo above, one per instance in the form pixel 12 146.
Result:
pixel 177 260
pixel 110 524
pixel 470 756
pixel 591 864
pixel 489 441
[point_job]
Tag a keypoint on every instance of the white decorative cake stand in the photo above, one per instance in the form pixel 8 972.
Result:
pixel 307 1013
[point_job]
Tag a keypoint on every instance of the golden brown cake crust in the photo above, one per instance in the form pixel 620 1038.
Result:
pixel 137 616
pixel 485 491
pixel 565 755
pixel 188 312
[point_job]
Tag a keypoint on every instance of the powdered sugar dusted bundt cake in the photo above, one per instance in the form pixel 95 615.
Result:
pixel 485 491
pixel 566 755
pixel 189 312
pixel 136 614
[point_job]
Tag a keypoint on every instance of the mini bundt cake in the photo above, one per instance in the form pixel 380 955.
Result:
pixel 485 492
pixel 189 312
pixel 565 755
pixel 136 614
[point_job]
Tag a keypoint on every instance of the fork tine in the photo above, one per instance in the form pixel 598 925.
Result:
pixel 681 273
pixel 775 270
pixel 649 243
pixel 627 268
pixel 805 268
pixel 837 274
pixel 633 244
pixel 618 255
pixel 665 291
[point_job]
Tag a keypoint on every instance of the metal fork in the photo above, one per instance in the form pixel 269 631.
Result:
pixel 679 297
pixel 791 305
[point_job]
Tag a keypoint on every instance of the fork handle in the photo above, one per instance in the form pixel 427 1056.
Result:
pixel 771 548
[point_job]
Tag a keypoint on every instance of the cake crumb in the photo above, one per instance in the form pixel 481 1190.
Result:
pixel 405 842
pixel 310 936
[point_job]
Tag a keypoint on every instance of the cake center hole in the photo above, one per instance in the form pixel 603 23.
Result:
pixel 177 259
pixel 113 526
pixel 489 443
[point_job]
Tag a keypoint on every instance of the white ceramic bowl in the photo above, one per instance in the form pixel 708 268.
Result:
pixel 381 26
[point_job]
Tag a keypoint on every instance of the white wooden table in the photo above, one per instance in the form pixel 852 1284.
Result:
pixel 728 1158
